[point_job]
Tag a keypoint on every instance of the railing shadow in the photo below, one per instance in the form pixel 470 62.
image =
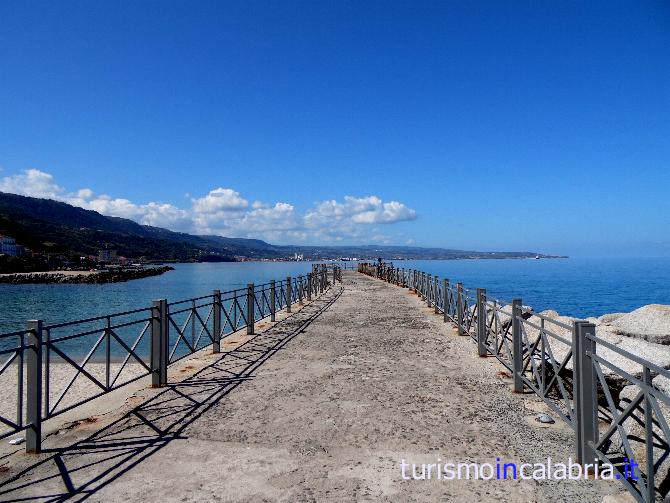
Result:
pixel 83 468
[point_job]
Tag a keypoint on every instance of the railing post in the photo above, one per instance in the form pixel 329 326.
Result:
pixel 459 308
pixel 517 346
pixel 273 300
pixel 250 309
pixel 159 343
pixel 586 396
pixel 165 341
pixel 216 344
pixel 289 294
pixel 446 299
pixel 309 287
pixel 429 287
pixel 34 388
pixel 435 290
pixel 481 322
pixel 300 289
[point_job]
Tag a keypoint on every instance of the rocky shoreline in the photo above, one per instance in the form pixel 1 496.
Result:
pixel 82 277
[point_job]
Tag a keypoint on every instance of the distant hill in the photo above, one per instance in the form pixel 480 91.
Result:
pixel 45 225
pixel 51 226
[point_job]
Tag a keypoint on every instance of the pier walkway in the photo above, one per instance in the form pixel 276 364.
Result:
pixel 321 406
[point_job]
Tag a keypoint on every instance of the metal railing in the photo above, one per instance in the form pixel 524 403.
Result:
pixel 104 353
pixel 617 414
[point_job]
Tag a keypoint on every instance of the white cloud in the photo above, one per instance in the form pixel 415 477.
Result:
pixel 220 200
pixel 342 218
pixel 224 211
pixel 32 182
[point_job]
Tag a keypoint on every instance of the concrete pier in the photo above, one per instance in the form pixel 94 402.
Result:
pixel 322 405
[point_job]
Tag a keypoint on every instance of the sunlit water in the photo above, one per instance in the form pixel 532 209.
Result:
pixel 58 303
pixel 575 287
pixel 578 287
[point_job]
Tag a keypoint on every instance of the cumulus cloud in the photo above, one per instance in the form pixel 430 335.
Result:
pixel 332 220
pixel 223 211
pixel 219 201
pixel 32 182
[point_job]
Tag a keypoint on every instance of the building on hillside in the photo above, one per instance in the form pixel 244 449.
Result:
pixel 106 255
pixel 7 246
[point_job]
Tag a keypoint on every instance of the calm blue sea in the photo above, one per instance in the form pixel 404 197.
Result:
pixel 59 303
pixel 579 287
pixel 576 286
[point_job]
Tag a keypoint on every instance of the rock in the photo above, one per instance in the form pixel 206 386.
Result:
pixel 636 436
pixel 624 497
pixel 654 353
pixel 550 313
pixel 505 314
pixel 112 276
pixel 544 418
pixel 662 383
pixel 651 323
pixel 606 319
pixel 558 349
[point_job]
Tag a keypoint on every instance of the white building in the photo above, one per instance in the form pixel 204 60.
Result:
pixel 7 245
pixel 106 255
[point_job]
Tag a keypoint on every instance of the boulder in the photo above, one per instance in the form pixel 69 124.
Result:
pixel 505 314
pixel 606 319
pixel 636 434
pixel 558 349
pixel 651 323
pixel 654 353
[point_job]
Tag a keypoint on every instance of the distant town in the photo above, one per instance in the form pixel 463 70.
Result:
pixel 46 235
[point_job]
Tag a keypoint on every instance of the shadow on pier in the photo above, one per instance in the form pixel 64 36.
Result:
pixel 83 468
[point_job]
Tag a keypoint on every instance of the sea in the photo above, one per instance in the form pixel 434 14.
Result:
pixel 579 287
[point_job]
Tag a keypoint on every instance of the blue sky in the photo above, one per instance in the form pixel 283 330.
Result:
pixel 539 126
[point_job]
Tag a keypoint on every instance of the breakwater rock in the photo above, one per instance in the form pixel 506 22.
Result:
pixel 651 323
pixel 645 329
pixel 82 277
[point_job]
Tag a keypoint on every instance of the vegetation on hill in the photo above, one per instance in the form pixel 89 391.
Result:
pixel 55 228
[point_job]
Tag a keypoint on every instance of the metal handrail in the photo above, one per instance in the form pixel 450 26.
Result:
pixel 145 340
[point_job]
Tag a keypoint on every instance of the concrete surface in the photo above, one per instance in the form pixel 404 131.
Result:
pixel 322 406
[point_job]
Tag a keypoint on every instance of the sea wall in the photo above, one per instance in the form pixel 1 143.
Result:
pixel 82 277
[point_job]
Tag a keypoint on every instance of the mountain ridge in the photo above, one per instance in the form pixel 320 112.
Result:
pixel 50 226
